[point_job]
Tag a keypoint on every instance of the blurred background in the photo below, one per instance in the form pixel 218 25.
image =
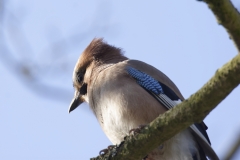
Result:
pixel 40 42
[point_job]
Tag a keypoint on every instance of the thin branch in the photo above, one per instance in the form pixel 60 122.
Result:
pixel 25 74
pixel 33 72
pixel 228 16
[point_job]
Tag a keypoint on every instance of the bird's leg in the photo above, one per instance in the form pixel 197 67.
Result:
pixel 137 130
pixel 106 150
pixel 103 152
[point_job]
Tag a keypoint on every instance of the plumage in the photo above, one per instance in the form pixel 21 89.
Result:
pixel 124 94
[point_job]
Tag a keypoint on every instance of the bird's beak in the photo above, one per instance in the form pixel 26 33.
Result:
pixel 76 101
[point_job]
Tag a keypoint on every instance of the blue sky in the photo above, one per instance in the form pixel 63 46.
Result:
pixel 180 38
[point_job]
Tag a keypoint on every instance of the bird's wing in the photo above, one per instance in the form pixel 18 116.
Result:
pixel 166 92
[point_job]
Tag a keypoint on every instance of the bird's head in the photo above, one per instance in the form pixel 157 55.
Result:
pixel 97 55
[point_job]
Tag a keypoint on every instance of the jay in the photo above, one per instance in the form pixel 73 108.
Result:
pixel 124 94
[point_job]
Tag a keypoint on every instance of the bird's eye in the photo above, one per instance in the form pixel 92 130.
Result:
pixel 80 76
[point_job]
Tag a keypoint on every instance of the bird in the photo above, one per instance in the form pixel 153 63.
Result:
pixel 125 94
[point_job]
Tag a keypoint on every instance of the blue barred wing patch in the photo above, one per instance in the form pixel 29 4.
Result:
pixel 145 80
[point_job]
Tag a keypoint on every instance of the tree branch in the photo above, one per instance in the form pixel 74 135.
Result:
pixel 228 16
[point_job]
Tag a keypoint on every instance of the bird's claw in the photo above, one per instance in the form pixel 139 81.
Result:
pixel 137 130
pixel 103 152
pixel 106 150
